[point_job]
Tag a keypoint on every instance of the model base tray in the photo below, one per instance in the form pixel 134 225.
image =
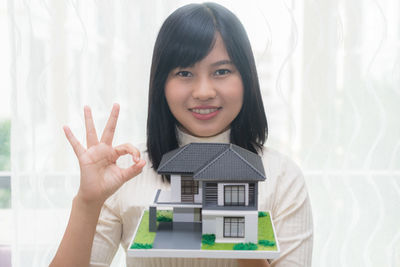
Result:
pixel 184 240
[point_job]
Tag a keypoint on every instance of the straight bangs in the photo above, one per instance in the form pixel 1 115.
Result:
pixel 188 36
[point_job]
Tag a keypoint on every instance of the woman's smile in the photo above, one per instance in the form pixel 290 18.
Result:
pixel 205 113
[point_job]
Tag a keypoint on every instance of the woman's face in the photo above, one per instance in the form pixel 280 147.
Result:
pixel 207 97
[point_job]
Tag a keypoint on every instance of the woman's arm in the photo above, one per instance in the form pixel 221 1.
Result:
pixel 100 178
pixel 76 245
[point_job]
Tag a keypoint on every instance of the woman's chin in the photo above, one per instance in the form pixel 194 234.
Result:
pixel 203 133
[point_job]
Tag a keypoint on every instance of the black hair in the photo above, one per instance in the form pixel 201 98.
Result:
pixel 186 37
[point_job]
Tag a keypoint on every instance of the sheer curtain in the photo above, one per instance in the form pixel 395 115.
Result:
pixel 329 74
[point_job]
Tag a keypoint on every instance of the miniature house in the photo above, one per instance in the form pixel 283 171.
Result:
pixel 213 184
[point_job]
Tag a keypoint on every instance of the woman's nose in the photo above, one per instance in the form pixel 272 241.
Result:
pixel 204 89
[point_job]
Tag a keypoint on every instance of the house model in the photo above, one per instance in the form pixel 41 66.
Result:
pixel 213 184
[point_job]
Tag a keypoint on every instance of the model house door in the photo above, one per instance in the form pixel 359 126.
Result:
pixel 189 188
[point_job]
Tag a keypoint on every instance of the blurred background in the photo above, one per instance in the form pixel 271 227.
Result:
pixel 330 79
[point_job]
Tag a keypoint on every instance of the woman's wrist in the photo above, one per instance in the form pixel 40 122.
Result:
pixel 88 207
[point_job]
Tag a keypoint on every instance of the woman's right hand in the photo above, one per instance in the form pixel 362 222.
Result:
pixel 100 176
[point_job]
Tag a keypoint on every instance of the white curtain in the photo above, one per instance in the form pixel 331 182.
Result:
pixel 330 77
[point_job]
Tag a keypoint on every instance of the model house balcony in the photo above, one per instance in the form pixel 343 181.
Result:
pixel 185 192
pixel 166 199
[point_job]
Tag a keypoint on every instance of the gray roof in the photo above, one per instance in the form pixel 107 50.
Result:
pixel 213 161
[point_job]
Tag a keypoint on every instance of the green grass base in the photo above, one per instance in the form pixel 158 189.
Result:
pixel 266 232
pixel 145 239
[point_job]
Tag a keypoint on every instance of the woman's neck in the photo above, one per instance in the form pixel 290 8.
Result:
pixel 185 138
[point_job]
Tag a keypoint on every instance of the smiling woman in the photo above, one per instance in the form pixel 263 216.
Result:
pixel 211 94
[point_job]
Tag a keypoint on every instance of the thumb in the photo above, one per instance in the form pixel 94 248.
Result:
pixel 133 170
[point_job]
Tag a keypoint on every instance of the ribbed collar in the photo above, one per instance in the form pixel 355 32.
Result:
pixel 184 138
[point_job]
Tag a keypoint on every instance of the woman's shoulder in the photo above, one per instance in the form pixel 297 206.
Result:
pixel 284 184
pixel 281 168
pixel 273 157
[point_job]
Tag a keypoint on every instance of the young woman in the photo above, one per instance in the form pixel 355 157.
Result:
pixel 203 88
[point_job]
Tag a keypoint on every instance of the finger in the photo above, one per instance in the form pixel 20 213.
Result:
pixel 91 135
pixel 77 147
pixel 127 149
pixel 133 170
pixel 108 133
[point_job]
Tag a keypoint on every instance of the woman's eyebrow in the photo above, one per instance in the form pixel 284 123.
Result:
pixel 222 62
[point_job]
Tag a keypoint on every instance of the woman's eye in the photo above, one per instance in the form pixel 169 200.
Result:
pixel 222 72
pixel 184 73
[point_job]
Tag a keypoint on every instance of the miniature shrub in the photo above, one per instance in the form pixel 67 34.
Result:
pixel 163 218
pixel 141 246
pixel 262 214
pixel 266 243
pixel 245 246
pixel 208 239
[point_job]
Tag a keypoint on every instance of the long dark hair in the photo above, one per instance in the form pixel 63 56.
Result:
pixel 185 38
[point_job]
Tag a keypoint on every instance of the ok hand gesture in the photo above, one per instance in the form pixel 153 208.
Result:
pixel 100 176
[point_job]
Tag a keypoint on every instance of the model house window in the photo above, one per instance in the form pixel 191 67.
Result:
pixel 189 186
pixel 233 226
pixel 234 195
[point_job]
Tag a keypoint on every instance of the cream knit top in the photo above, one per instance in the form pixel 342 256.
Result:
pixel 284 193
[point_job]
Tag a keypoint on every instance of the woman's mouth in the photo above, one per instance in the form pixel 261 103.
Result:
pixel 205 113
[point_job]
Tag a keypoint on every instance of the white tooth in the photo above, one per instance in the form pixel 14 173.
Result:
pixel 204 111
